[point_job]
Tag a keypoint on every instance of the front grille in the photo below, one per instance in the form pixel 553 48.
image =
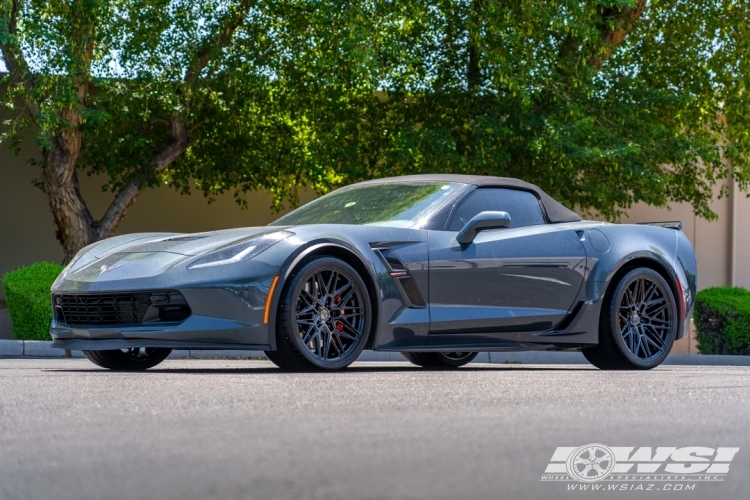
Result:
pixel 105 309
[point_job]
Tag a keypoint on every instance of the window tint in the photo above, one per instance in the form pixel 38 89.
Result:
pixel 522 206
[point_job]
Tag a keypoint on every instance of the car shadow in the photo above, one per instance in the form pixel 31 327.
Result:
pixel 163 370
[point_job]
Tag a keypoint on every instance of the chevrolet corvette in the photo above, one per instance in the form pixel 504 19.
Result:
pixel 437 267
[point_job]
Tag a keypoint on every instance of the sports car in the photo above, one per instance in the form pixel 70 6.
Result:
pixel 437 267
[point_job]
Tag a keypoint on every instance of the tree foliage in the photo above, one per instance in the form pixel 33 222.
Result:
pixel 602 103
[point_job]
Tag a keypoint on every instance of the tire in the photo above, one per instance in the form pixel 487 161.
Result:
pixel 638 324
pixel 324 317
pixel 137 359
pixel 440 359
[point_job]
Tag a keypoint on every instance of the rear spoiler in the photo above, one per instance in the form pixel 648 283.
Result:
pixel 669 225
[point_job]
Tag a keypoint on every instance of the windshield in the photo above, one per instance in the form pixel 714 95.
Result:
pixel 407 204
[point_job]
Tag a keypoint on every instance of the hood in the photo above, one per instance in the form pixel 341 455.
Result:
pixel 182 244
pixel 149 254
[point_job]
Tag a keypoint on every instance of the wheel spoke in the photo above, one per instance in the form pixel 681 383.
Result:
pixel 306 310
pixel 650 339
pixel 331 282
pixel 352 315
pixel 625 328
pixel 310 299
pixel 660 327
pixel 347 324
pixel 346 297
pixel 652 314
pixel 650 291
pixel 642 291
pixel 310 334
pixel 336 342
pixel 629 297
pixel 642 337
pixel 654 302
pixel 659 320
pixel 637 347
pixel 322 291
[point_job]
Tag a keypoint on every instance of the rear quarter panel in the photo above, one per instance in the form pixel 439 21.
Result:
pixel 628 242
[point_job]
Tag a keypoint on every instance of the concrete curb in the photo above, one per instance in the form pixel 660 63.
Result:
pixel 11 348
pixel 43 349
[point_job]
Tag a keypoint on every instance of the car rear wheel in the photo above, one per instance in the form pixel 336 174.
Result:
pixel 136 359
pixel 638 325
pixel 439 359
pixel 324 317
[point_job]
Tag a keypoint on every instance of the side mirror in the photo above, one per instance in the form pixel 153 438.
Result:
pixel 481 221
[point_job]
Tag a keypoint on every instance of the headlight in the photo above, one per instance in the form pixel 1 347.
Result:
pixel 238 252
pixel 78 261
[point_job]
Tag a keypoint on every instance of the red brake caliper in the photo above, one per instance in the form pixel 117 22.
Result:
pixel 339 325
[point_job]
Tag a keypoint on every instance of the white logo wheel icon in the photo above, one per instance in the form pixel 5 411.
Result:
pixel 591 462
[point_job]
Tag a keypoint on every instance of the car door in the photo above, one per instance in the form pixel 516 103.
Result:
pixel 518 279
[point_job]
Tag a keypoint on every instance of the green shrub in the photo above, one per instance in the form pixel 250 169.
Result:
pixel 27 292
pixel 722 320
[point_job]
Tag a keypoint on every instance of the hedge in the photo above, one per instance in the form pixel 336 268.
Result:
pixel 27 292
pixel 722 320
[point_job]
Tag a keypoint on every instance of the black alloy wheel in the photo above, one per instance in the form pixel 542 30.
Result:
pixel 639 324
pixel 440 359
pixel 135 359
pixel 324 317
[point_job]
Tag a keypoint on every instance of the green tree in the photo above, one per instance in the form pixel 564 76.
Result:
pixel 150 92
pixel 603 103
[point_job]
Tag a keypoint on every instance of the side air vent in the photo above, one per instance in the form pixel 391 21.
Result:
pixel 120 309
pixel 405 283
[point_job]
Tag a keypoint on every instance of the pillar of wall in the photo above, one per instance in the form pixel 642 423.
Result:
pixel 741 241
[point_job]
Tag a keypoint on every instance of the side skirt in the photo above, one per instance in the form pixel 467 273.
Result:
pixel 112 344
pixel 480 348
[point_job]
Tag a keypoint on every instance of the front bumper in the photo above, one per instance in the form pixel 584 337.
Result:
pixel 226 313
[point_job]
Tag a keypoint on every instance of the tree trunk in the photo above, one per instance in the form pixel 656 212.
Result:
pixel 75 225
pixel 76 228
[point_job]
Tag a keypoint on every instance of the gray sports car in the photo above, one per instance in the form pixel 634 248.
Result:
pixel 437 267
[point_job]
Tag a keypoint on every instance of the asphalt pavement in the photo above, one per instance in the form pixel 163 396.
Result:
pixel 242 429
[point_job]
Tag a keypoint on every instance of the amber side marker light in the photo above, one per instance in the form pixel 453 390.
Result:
pixel 269 299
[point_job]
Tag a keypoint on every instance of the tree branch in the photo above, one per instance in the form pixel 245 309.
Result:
pixel 614 24
pixel 18 69
pixel 224 36
pixel 179 140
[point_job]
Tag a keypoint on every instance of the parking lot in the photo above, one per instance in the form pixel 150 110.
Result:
pixel 242 429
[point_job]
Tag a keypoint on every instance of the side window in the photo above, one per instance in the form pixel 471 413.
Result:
pixel 523 207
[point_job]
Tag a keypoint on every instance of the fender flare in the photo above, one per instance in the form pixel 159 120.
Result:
pixel 312 248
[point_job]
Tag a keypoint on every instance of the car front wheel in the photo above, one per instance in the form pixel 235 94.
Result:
pixel 324 317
